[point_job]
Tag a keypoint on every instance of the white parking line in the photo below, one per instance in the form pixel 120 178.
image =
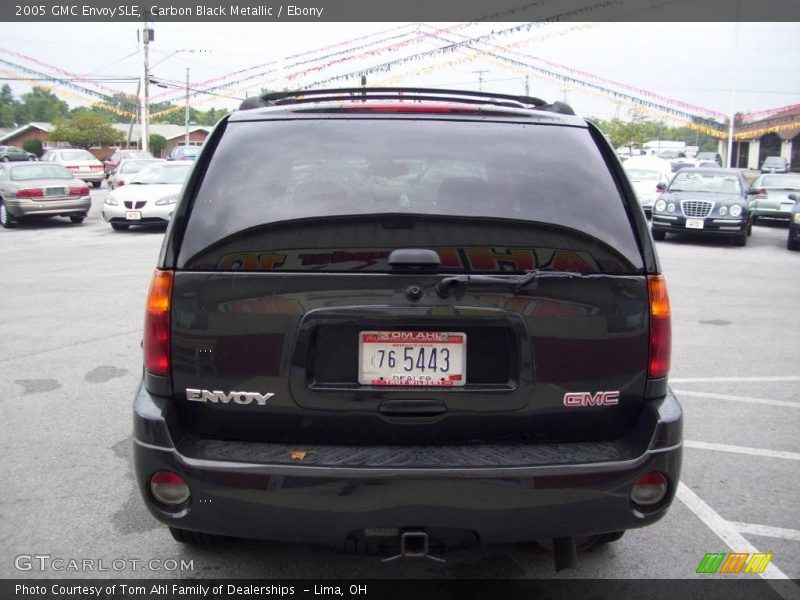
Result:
pixel 732 379
pixel 767 531
pixel 742 450
pixel 784 403
pixel 725 531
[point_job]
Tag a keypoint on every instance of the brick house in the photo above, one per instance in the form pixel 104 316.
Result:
pixel 175 135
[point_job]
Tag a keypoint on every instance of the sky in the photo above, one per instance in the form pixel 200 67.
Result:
pixel 697 63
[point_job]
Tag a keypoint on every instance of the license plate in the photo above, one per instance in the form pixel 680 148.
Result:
pixel 412 358
pixel 133 215
pixel 55 191
pixel 694 223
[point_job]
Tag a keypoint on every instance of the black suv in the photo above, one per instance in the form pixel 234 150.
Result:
pixel 407 320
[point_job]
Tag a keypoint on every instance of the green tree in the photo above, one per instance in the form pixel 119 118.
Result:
pixel 8 107
pixel 157 144
pixel 84 130
pixel 41 105
pixel 33 146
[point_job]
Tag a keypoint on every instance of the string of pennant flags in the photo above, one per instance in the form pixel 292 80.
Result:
pixel 505 56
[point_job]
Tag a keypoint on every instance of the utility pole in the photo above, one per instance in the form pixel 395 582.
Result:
pixel 144 98
pixel 186 112
pixel 527 93
pixel 565 90
pixel 732 117
pixel 480 73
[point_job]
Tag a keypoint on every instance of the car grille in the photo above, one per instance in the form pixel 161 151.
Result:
pixel 137 204
pixel 696 208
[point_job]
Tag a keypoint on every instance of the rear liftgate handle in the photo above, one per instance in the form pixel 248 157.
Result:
pixel 412 408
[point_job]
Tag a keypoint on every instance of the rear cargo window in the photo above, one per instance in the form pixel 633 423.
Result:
pixel 341 194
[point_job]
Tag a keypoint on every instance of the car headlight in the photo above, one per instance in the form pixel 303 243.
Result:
pixel 723 210
pixel 660 205
pixel 735 210
pixel 671 207
pixel 111 201
pixel 797 217
pixel 171 199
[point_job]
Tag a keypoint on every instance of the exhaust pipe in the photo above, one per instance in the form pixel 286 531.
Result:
pixel 565 553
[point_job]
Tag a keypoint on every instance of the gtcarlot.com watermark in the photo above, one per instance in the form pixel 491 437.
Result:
pixel 47 562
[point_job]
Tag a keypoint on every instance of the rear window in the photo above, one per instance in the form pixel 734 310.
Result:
pixel 789 182
pixel 39 171
pixel 77 155
pixel 318 192
pixel 162 174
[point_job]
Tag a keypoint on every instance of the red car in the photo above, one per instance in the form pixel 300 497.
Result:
pixel 110 163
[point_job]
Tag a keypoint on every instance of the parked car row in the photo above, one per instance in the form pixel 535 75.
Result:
pixel 713 200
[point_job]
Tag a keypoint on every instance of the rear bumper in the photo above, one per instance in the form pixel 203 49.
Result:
pixel 29 208
pixel 237 494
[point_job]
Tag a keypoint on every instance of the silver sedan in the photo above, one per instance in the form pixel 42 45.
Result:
pixel 41 190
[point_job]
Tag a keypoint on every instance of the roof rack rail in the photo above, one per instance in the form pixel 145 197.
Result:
pixel 400 93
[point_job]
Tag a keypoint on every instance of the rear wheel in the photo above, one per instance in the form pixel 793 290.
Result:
pixel 119 226
pixel 6 220
pixel 195 538
pixel 753 219
pixel 791 243
pixel 97 184
pixel 5 159
pixel 77 220
pixel 659 235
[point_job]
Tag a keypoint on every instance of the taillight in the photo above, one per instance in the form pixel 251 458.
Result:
pixel 120 182
pixel 79 191
pixel 73 167
pixel 660 332
pixel 156 324
pixel 30 193
pixel 762 193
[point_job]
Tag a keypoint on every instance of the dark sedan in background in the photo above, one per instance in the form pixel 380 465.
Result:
pixel 706 201
pixel 41 190
pixel 9 153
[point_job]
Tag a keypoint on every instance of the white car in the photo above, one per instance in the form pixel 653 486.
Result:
pixel 149 198
pixel 81 163
pixel 646 173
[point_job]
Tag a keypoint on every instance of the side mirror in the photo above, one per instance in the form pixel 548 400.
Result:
pixel 795 197
pixel 661 187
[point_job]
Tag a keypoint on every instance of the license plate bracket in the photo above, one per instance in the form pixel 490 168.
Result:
pixel 133 215
pixel 694 223
pixel 412 358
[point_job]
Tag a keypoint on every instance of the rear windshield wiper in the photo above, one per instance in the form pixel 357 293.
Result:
pixel 447 285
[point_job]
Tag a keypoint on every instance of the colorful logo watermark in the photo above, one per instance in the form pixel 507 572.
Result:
pixel 736 562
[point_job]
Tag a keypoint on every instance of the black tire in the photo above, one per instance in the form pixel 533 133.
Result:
pixel 97 184
pixel 741 239
pixel 750 228
pixel 196 538
pixel 6 220
pixel 77 220
pixel 5 159
pixel 792 244
pixel 31 158
pixel 659 235
pixel 119 226
pixel 753 219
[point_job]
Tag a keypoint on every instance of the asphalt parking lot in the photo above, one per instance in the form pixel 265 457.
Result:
pixel 70 319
